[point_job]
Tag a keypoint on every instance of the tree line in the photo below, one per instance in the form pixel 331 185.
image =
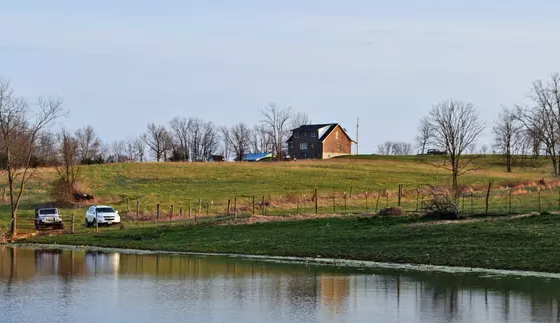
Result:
pixel 524 129
pixel 453 125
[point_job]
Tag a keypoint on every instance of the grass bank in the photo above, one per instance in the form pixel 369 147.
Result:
pixel 529 243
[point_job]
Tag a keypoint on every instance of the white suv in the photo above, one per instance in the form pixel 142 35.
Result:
pixel 102 214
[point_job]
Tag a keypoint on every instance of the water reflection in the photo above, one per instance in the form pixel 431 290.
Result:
pixel 163 287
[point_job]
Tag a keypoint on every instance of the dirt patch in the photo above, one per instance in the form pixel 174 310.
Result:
pixel 256 218
pixel 490 219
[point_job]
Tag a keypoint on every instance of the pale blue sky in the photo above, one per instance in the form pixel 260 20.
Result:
pixel 122 64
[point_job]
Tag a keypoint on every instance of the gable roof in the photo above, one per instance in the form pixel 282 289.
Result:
pixel 316 127
pixel 313 127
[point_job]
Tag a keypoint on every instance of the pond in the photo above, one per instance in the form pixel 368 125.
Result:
pixel 77 285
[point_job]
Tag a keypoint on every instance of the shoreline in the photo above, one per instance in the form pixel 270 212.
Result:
pixel 338 262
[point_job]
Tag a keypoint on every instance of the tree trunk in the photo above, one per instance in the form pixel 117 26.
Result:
pixel 554 165
pixel 13 207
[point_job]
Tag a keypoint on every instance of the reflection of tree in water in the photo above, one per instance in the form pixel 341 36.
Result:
pixel 334 291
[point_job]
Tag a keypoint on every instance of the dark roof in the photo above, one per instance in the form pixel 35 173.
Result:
pixel 316 127
pixel 312 127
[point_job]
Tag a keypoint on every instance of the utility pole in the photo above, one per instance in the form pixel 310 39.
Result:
pixel 357 136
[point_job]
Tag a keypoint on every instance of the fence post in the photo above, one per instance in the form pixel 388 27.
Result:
pixel 333 202
pixel 387 197
pixel 263 206
pixel 400 194
pixel 199 207
pixel 472 201
pixel 417 199
pixel 72 223
pixel 137 207
pixel 377 203
pixel 351 192
pixel 488 196
pixel 253 204
pixel 316 202
pixel 235 207
pixel 171 214
pixel 190 211
pixel 157 213
pixel 127 204
pixel 366 201
pixel 506 199
pixel 228 206
pixel 181 212
pixel 208 208
pixel 297 206
pixel 345 203
pixel 539 191
pixel 463 205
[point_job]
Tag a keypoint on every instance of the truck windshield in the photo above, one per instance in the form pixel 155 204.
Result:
pixel 47 211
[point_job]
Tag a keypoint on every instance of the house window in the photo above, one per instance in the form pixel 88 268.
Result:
pixel 296 134
pixel 313 134
pixel 303 146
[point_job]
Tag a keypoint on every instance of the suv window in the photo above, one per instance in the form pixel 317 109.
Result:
pixel 105 210
pixel 47 211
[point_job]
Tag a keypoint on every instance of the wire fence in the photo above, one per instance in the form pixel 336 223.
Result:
pixel 411 199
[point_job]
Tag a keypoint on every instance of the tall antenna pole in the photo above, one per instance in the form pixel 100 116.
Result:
pixel 357 136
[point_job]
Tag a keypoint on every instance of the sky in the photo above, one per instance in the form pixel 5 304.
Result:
pixel 120 65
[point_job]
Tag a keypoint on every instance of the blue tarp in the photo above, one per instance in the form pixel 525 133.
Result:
pixel 256 157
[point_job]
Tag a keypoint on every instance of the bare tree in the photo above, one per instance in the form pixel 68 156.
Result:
pixel 299 119
pixel 226 142
pixel 156 139
pixel 180 130
pixel 456 127
pixel 118 151
pixel 45 151
pixel 541 119
pixel 484 149
pixel 507 130
pixel 140 149
pixel 209 141
pixel 20 128
pixel 385 148
pixel 130 150
pixel 239 137
pixel 197 130
pixel 276 121
pixel 89 144
pixel 401 148
pixel 67 170
pixel 424 134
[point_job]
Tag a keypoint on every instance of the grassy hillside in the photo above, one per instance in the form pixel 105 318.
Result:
pixel 289 185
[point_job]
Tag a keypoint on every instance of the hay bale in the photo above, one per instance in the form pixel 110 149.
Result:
pixel 391 211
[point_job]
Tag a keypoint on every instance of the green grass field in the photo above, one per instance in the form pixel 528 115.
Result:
pixel 289 186
pixel 527 243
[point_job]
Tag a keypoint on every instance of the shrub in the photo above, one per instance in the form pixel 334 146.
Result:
pixel 391 211
pixel 441 203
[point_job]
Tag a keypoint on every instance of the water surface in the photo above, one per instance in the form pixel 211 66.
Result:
pixel 52 285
